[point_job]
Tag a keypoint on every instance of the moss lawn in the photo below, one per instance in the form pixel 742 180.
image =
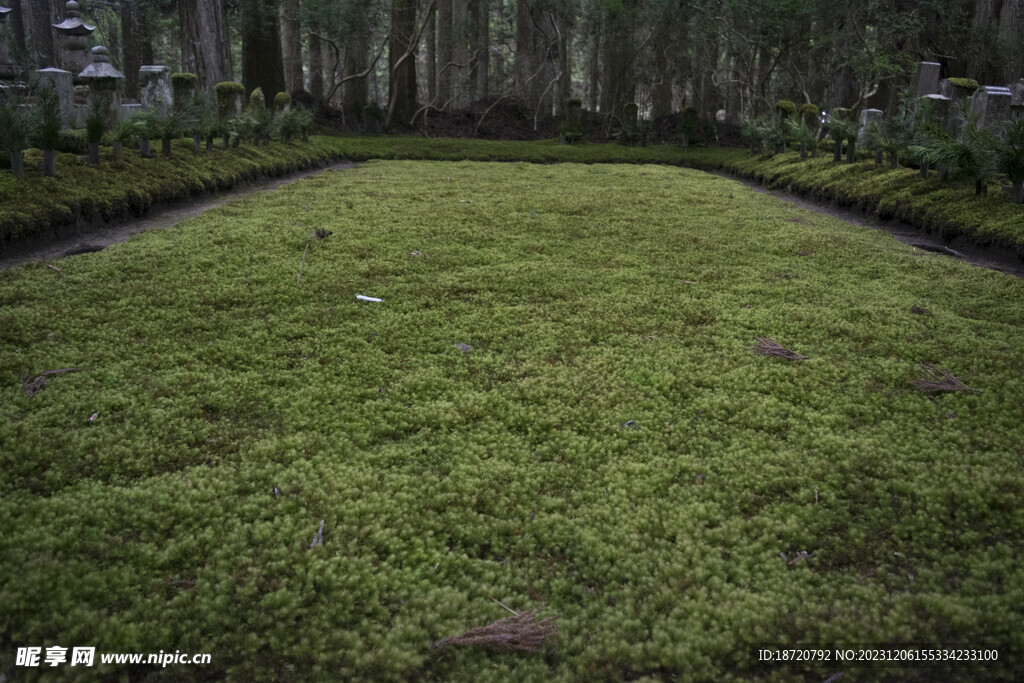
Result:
pixel 609 448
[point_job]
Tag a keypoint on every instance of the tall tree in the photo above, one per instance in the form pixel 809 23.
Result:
pixel 316 62
pixel 132 39
pixel 262 64
pixel 402 62
pixel 445 51
pixel 292 37
pixel 483 48
pixel 618 85
pixel 430 37
pixel 205 50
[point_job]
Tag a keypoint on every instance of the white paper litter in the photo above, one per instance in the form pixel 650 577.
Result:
pixel 367 298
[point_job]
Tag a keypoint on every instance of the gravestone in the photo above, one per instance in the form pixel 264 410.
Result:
pixel 942 108
pixel 155 88
pixel 866 117
pixel 926 80
pixel 992 104
pixel 956 88
pixel 1017 101
pixel 65 89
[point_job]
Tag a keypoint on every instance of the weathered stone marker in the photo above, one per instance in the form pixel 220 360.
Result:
pixel 1017 102
pixel 62 84
pixel 155 88
pixel 926 80
pixel 992 104
pixel 942 108
pixel 866 117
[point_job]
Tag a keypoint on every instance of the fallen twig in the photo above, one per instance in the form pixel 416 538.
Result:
pixel 520 632
pixel 319 538
pixel 37 384
pixel 940 380
pixel 769 347
pixel 53 267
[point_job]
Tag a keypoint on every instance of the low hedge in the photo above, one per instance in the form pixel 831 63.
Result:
pixel 130 186
pixel 116 188
pixel 948 208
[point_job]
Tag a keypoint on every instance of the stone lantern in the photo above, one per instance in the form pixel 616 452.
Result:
pixel 104 80
pixel 75 34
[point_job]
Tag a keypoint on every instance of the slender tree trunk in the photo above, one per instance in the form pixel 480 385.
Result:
pixel 17 163
pixel 202 42
pixel 618 86
pixel 661 93
pixel 292 37
pixel 316 63
pixel 50 162
pixel 402 63
pixel 594 56
pixel 525 56
pixel 472 23
pixel 37 17
pixel 131 56
pixel 1017 192
pixel 430 36
pixel 483 46
pixel 564 58
pixel 445 51
pixel 262 63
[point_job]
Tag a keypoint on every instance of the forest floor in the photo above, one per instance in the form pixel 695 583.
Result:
pixel 557 405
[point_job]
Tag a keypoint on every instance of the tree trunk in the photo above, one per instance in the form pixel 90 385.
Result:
pixel 316 63
pixel 851 152
pixel 594 56
pixel 402 63
pixel 803 150
pixel 483 58
pixel 525 55
pixel 894 161
pixel 878 157
pixel 837 152
pixel 430 36
pixel 131 46
pixel 94 152
pixel 49 162
pixel 445 51
pixel 292 37
pixel 661 91
pixel 144 148
pixel 355 93
pixel 18 163
pixel 118 151
pixel 1017 192
pixel 564 58
pixel 262 64
pixel 203 49
pixel 37 18
pixel 924 169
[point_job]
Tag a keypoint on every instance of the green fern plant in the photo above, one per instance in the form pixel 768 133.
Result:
pixel 50 125
pixel 1009 157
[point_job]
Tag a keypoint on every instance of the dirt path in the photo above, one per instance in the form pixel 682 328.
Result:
pixel 96 238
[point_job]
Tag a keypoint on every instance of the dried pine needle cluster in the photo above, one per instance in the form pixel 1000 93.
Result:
pixel 769 347
pixel 521 632
pixel 938 380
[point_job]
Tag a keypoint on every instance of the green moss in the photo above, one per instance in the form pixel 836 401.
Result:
pixel 235 409
pixel 257 102
pixel 786 108
pixel 282 100
pixel 229 88
pixel 809 113
pixel 967 83
pixel 184 80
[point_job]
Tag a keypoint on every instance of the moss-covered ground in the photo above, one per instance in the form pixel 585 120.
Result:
pixel 610 448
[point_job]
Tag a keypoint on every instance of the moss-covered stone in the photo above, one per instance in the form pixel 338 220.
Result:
pixel 809 114
pixel 257 102
pixel 786 108
pixel 282 101
pixel 966 83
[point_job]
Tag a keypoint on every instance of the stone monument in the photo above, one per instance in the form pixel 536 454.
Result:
pixel 1017 103
pixel 866 117
pixel 992 104
pixel 62 83
pixel 155 88
pixel 104 81
pixel 926 80
pixel 75 37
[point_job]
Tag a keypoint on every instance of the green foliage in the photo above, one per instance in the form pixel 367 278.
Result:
pixel 786 109
pixel 969 155
pixel 97 119
pixel 1008 150
pixel 810 114
pixel 47 113
pixel 257 103
pixel 18 125
pixel 203 113
pixel 610 447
